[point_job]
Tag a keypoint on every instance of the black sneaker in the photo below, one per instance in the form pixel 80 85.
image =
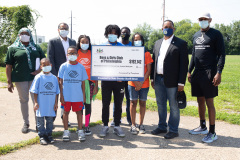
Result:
pixel 171 135
pixel 25 128
pixel 50 139
pixel 158 131
pixel 87 131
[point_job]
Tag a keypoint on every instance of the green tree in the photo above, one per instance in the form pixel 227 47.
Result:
pixel 234 43
pixel 231 36
pixel 154 36
pixel 44 47
pixel 15 18
pixel 145 30
pixel 12 19
pixel 185 30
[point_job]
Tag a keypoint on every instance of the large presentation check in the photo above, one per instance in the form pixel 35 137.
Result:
pixel 117 63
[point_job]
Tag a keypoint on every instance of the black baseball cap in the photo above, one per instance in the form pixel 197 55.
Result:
pixel 181 99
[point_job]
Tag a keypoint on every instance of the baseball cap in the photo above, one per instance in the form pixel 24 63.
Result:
pixel 181 99
pixel 205 15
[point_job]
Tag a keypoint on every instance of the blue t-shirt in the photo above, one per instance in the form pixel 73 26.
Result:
pixel 129 44
pixel 46 86
pixel 112 44
pixel 72 76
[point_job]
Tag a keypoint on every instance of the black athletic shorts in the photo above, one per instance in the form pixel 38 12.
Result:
pixel 202 85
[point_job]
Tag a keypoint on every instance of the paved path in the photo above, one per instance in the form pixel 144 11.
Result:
pixel 145 146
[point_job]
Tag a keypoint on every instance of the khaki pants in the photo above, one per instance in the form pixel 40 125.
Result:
pixel 23 93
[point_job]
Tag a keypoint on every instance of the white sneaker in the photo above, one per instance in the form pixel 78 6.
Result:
pixel 104 131
pixel 133 130
pixel 118 130
pixel 66 136
pixel 142 129
pixel 210 138
pixel 81 135
pixel 112 123
pixel 198 130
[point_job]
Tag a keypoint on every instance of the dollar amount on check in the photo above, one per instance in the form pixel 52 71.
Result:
pixel 117 63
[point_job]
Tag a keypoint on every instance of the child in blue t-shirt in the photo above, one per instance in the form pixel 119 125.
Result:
pixel 46 89
pixel 72 91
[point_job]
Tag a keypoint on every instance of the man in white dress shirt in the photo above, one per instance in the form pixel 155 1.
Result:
pixel 57 48
pixel 169 70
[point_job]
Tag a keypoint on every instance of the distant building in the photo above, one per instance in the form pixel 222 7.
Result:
pixel 40 39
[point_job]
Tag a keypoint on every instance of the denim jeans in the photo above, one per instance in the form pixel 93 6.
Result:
pixel 138 95
pixel 42 131
pixel 162 95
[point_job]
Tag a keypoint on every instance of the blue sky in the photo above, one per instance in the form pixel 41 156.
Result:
pixel 92 16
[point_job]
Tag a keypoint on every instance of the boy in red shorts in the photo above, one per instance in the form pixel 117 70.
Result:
pixel 72 91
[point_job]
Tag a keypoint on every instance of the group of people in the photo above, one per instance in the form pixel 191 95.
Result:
pixel 67 72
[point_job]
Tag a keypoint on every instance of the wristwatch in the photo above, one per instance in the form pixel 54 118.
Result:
pixel 220 72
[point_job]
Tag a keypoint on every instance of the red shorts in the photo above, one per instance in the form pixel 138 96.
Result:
pixel 76 106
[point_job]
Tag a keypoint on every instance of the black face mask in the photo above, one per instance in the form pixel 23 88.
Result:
pixel 125 36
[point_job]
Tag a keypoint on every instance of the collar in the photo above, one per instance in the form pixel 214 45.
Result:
pixel 169 39
pixel 63 39
pixel 49 74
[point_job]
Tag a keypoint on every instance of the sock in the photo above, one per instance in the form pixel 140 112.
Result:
pixel 203 123
pixel 87 119
pixel 212 129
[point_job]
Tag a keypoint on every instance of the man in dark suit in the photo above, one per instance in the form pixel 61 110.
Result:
pixel 57 48
pixel 169 70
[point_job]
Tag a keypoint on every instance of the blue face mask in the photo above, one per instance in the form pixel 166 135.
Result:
pixel 84 46
pixel 72 57
pixel 203 24
pixel 138 43
pixel 47 68
pixel 168 32
pixel 112 38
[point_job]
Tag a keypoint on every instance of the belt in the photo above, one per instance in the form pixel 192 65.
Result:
pixel 161 75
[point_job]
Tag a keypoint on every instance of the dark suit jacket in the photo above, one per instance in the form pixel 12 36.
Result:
pixel 56 53
pixel 175 65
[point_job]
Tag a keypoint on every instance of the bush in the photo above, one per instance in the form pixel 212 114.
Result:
pixel 3 51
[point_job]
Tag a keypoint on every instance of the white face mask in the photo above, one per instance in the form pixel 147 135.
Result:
pixel 138 43
pixel 24 38
pixel 72 58
pixel 63 33
pixel 84 46
pixel 204 24
pixel 47 68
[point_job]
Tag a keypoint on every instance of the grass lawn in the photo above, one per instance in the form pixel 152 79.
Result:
pixel 227 103
pixel 3 77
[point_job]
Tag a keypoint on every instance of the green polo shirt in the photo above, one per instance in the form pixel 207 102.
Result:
pixel 18 59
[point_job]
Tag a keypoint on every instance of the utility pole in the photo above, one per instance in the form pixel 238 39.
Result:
pixel 163 11
pixel 36 35
pixel 71 24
